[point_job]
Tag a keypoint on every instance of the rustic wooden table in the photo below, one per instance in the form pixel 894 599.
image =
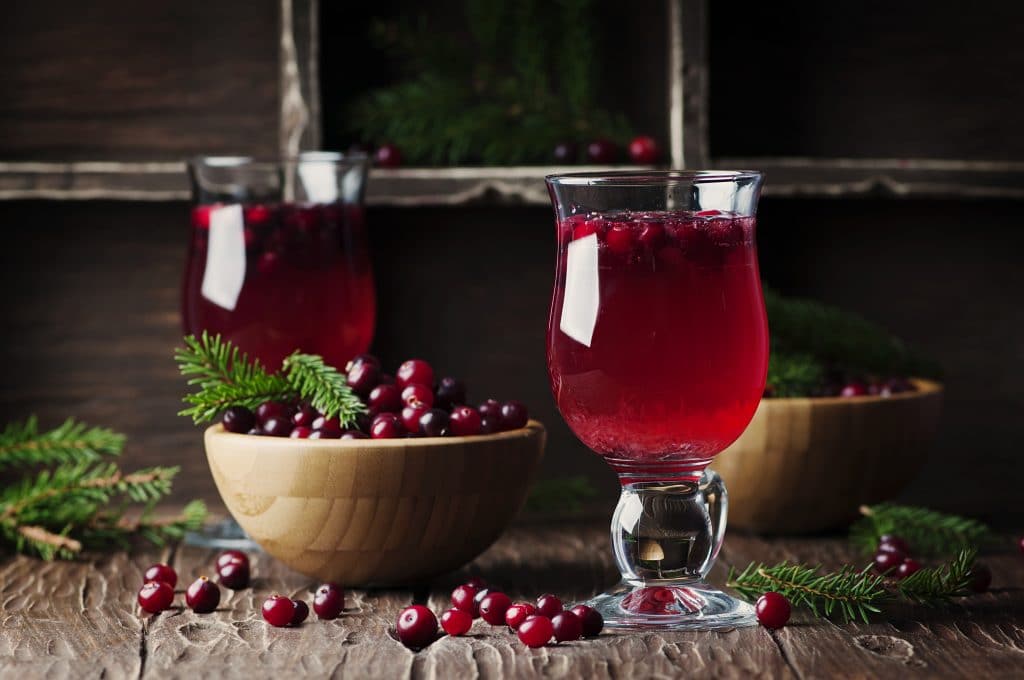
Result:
pixel 80 620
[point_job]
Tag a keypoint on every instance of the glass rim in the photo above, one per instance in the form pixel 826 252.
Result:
pixel 228 162
pixel 638 178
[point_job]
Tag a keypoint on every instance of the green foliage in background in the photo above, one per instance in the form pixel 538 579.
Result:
pixel 523 79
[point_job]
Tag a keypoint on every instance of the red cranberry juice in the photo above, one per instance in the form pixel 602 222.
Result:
pixel 307 283
pixel 657 338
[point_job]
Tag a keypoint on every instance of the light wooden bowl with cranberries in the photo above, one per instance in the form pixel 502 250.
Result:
pixel 807 464
pixel 375 511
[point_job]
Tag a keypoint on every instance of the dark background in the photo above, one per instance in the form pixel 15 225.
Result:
pixel 91 288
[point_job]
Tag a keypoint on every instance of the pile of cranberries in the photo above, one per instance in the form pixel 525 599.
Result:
pixel 535 623
pixel 281 611
pixel 410 403
pixel 203 595
pixel 893 559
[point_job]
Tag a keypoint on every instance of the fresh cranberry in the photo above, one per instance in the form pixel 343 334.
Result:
pixel 897 386
pixel 517 613
pixel 161 572
pixel 325 423
pixel 548 605
pixel 725 232
pixel 463 598
pixel 272 409
pixel 450 392
pixel 362 359
pixel 491 408
pixel 201 215
pixel 772 610
pixel 238 419
pixel 257 214
pixel 415 372
pixel 885 562
pixel 300 614
pixel 591 620
pixel 643 150
pixel 363 377
pixel 565 152
pixel 693 241
pixel 234 575
pixel 305 416
pixel 354 434
pixel 535 631
pixel 567 627
pixel 386 426
pixel 456 622
pixel 464 421
pixel 434 423
pixel 385 399
pixel 651 235
pixel 202 596
pixel 156 596
pixel 853 389
pixel 981 578
pixel 908 567
pixel 891 543
pixel 477 582
pixel 416 626
pixel 493 607
pixel 490 425
pixel 229 556
pixel 388 156
pixel 301 433
pixel 278 610
pixel 418 395
pixel 601 152
pixel 278 427
pixel 620 239
pixel 327 434
pixel 411 417
pixel 513 415
pixel 329 601
pixel 268 262
pixel 481 593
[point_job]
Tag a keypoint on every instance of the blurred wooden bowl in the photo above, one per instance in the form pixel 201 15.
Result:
pixel 374 512
pixel 805 465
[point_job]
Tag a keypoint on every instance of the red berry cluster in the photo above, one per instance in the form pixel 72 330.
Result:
pixel 202 596
pixel 409 403
pixel 281 611
pixel 892 558
pixel 534 623
pixel 643 150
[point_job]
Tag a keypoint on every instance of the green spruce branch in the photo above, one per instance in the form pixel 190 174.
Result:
pixel 323 386
pixel 929 533
pixel 21 444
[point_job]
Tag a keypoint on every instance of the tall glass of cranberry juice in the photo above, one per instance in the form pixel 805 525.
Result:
pixel 657 355
pixel 278 257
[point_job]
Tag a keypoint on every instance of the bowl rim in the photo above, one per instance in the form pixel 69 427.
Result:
pixel 531 429
pixel 925 388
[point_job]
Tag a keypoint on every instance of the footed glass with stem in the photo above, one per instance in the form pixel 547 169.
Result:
pixel 657 351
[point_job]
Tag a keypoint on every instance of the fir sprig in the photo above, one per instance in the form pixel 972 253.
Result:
pixel 21 444
pixel 935 585
pixel 323 386
pixel 225 377
pixel 928 532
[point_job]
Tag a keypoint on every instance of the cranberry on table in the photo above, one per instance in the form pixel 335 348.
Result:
pixel 565 152
pixel 229 556
pixel 462 598
pixel 772 610
pixel 885 562
pixel 278 427
pixel 388 156
pixel 981 578
pixel 548 605
pixel 464 421
pixel 202 596
pixel 386 426
pixel 567 627
pixel 363 377
pixel 434 423
pixel 238 419
pixel 416 626
pixel 417 395
pixel 415 372
pixel 155 596
pixel 493 607
pixel 300 433
pixel 853 389
pixel 161 572
pixel 590 619
pixel 535 631
pixel 301 612
pixel 892 543
pixel 329 601
pixel 517 613
pixel 278 611
pixel 385 399
pixel 643 150
pixel 601 151
pixel 513 415
pixel 908 567
pixel 456 622
pixel 234 575
pixel 450 392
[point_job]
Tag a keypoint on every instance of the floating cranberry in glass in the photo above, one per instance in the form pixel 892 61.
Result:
pixel 657 353
pixel 416 626
pixel 155 596
pixel 589 618
pixel 773 610
pixel 202 596
pixel 456 622
pixel 535 631
pixel 278 611
pixel 329 601
pixel 161 572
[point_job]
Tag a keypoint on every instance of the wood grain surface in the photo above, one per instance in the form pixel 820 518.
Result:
pixel 80 620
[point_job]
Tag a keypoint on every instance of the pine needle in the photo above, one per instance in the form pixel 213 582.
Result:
pixel 323 386
pixel 935 585
pixel 21 444
pixel 928 532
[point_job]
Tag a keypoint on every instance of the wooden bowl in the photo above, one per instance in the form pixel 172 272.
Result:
pixel 374 512
pixel 807 464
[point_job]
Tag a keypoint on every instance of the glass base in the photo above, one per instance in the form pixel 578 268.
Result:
pixel 223 535
pixel 672 607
